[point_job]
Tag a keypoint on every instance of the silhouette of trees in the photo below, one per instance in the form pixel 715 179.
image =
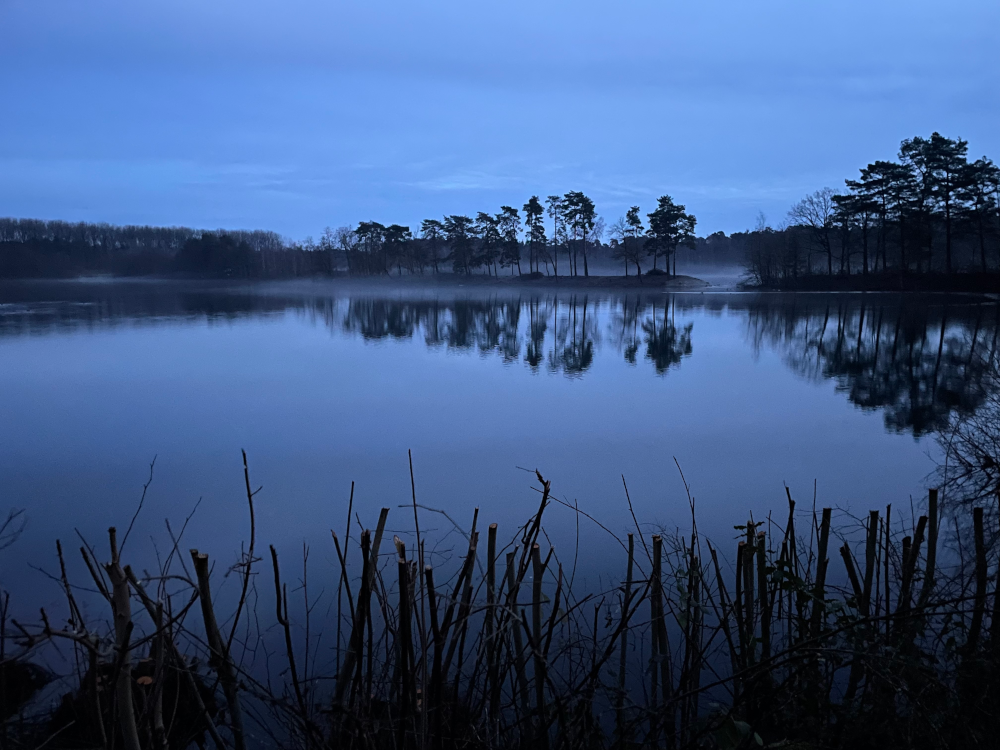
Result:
pixel 487 234
pixel 459 232
pixel 397 242
pixel 433 234
pixel 509 225
pixel 979 201
pixel 215 254
pixel 370 255
pixel 578 217
pixel 486 244
pixel 930 212
pixel 554 208
pixel 47 249
pixel 669 228
pixel 627 239
pixel 535 226
pixel 345 243
pixel 816 211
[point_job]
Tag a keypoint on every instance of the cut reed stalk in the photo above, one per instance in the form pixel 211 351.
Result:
pixel 888 550
pixel 404 651
pixel 513 624
pixel 122 609
pixel 220 658
pixel 763 600
pixel 979 603
pixel 871 542
pixel 492 671
pixel 932 540
pixel 852 575
pixel 622 737
pixel 819 588
pixel 350 670
pixel 538 572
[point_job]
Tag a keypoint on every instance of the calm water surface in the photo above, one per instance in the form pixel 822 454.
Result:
pixel 323 387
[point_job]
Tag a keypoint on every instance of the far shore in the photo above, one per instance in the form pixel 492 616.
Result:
pixel 553 283
pixel 976 282
pixel 656 283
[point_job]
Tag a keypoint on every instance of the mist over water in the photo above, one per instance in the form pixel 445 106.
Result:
pixel 323 387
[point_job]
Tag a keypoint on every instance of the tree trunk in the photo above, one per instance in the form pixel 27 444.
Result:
pixel 947 236
pixel 902 245
pixel 121 606
pixel 864 247
pixel 982 242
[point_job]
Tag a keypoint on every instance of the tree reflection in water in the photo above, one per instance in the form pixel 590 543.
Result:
pixel 575 336
pixel 919 360
pixel 917 363
pixel 665 345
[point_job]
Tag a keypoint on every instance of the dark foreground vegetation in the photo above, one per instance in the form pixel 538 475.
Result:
pixel 810 633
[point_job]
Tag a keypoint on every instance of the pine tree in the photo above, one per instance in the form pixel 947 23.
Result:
pixel 432 232
pixel 669 228
pixel 533 213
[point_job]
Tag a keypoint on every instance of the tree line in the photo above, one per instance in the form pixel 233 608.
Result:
pixel 562 235
pixel 489 243
pixel 932 211
pixel 31 248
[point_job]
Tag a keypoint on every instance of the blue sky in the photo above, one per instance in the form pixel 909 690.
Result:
pixel 296 115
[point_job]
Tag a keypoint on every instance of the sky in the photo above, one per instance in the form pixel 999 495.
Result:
pixel 301 114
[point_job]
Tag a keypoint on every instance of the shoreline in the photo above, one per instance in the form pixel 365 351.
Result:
pixel 956 283
pixel 984 288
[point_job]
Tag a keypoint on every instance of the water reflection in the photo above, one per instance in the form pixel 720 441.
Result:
pixel 918 364
pixel 917 360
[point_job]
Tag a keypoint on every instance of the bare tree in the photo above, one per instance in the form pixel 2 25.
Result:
pixel 626 244
pixel 346 242
pixel 816 211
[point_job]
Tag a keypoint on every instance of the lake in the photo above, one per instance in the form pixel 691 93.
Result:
pixel 323 385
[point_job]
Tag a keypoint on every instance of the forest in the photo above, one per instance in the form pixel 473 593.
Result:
pixel 510 241
pixel 933 212
pixel 931 215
